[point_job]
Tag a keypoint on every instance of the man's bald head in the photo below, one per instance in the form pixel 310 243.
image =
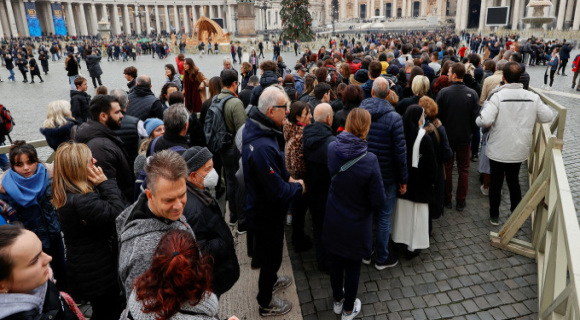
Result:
pixel 143 80
pixel 322 112
pixel 380 88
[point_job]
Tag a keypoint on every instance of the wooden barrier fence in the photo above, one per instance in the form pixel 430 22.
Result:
pixel 555 239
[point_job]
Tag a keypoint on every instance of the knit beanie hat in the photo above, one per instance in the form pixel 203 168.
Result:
pixel 196 157
pixel 393 69
pixel 361 76
pixel 151 124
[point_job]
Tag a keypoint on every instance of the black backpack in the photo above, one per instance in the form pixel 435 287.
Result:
pixel 215 130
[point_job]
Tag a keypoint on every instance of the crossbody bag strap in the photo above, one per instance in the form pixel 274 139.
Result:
pixel 349 164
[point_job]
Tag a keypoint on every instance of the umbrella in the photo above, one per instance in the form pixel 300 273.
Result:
pixel 144 40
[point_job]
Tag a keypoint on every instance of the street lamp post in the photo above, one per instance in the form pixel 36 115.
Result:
pixel 140 14
pixel 236 24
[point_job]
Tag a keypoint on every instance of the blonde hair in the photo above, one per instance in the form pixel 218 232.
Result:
pixel 420 85
pixel 358 122
pixel 56 114
pixel 144 145
pixel 71 163
pixel 393 98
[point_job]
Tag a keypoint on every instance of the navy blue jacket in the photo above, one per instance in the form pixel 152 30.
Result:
pixel 268 78
pixel 428 71
pixel 268 191
pixel 367 89
pixel 56 136
pixel 354 196
pixel 386 140
pixel 565 51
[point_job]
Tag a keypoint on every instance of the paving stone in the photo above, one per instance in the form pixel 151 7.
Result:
pixel 419 314
pixel 497 314
pixel 394 305
pixel 470 306
pixel 509 311
pixel 418 302
pixel 432 313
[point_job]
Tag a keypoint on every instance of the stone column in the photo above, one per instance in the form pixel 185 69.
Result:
pixel 126 21
pixel 482 11
pixel 83 20
pixel 137 19
pixel 394 9
pixel 569 10
pixel 404 9
pixel 185 19
pixel 49 17
pixel 356 9
pixel 147 20
pixel 94 20
pixel 23 17
pixel 176 19
pixel 444 9
pixel 115 28
pixel 465 13
pixel 104 14
pixel 167 21
pixel 576 23
pixel 157 20
pixel 458 16
pixel 11 18
pixel 382 8
pixel 561 13
pixel 516 15
pixel 423 8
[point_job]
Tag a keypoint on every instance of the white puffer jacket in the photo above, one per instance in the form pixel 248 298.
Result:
pixel 511 112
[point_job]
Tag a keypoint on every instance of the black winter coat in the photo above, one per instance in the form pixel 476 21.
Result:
pixel 88 224
pixel 33 67
pixel 79 105
pixel 316 138
pixel 167 141
pixel 93 65
pixel 245 95
pixel 268 78
pixel 108 150
pixel 204 216
pixel 54 308
pixel 129 134
pixel 143 104
pixel 458 108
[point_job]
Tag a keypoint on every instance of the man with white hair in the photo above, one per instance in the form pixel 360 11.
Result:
pixel 269 190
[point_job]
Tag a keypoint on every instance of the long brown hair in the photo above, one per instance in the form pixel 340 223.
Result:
pixel 179 273
pixel 193 72
pixel 71 171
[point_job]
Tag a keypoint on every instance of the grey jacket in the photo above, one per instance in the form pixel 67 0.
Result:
pixel 207 309
pixel 139 234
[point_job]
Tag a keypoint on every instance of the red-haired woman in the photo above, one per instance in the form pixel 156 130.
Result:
pixel 181 276
pixel 193 82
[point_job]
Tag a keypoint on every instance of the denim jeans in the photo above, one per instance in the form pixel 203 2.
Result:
pixel 11 77
pixel 384 227
pixel 71 79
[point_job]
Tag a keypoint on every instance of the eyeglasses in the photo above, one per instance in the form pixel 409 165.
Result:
pixel 282 106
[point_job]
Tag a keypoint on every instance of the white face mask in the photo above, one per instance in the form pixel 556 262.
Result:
pixel 211 179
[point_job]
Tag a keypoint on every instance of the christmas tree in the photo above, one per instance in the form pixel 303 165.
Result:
pixel 296 20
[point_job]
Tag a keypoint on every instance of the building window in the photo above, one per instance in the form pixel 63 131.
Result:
pixel 416 8
pixel 399 12
pixel 377 12
pixel 363 11
pixel 388 9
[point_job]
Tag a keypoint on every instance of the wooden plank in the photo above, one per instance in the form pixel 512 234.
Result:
pixel 515 245
pixel 531 199
pixel 561 300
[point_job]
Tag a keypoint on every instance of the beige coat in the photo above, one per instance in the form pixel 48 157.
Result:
pixel 489 84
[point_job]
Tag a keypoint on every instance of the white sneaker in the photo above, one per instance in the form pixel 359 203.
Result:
pixel 337 306
pixel 354 313
pixel 484 191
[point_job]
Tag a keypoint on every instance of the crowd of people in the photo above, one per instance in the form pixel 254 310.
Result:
pixel 363 128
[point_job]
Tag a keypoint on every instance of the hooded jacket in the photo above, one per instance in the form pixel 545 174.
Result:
pixel 143 104
pixel 108 150
pixel 268 78
pixel 206 309
pixel 93 65
pixel 79 105
pixel 354 195
pixel 298 83
pixel 139 232
pixel 268 191
pixel 316 138
pixel 386 140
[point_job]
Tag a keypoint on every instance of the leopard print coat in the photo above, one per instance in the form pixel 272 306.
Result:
pixel 293 134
